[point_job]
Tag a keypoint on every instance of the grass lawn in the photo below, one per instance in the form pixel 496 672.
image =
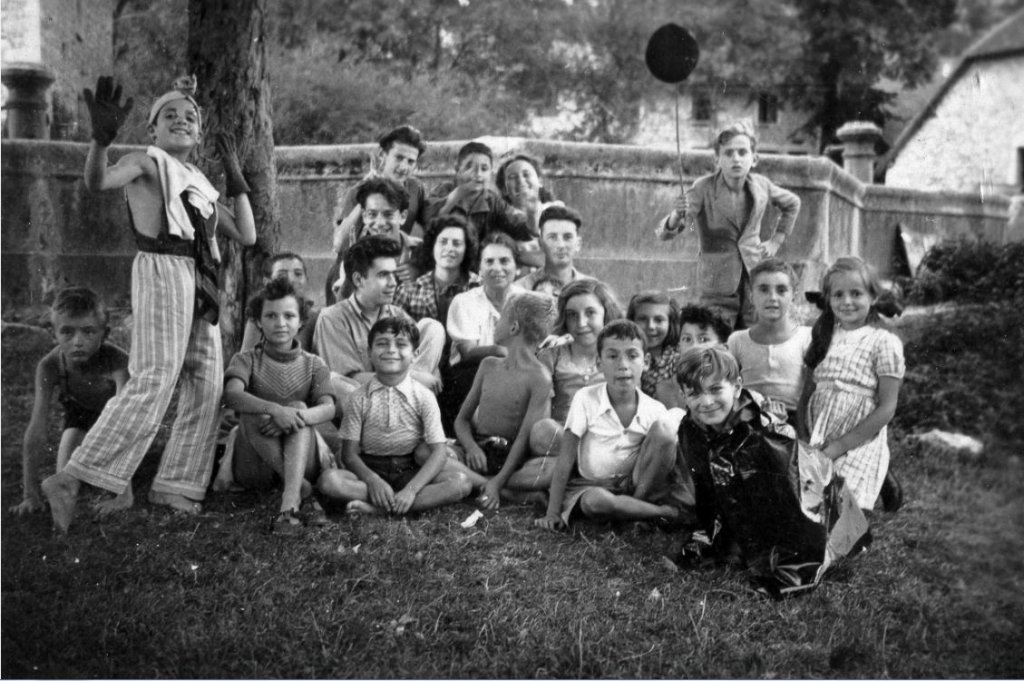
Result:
pixel 149 594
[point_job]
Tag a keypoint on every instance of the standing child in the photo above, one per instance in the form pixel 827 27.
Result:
pixel 726 208
pixel 84 371
pixel 384 422
pixel 510 393
pixel 657 315
pixel 621 476
pixel 771 353
pixel 857 369
pixel 279 391
pixel 175 218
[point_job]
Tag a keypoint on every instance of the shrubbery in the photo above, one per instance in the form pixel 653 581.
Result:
pixel 964 368
pixel 970 271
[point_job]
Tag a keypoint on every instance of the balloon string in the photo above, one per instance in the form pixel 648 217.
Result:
pixel 679 151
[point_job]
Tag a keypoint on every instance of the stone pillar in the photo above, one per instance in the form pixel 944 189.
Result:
pixel 859 138
pixel 27 109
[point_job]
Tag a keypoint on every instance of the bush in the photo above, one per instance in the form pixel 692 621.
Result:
pixel 964 374
pixel 967 270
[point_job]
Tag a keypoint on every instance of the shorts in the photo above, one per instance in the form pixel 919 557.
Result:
pixel 574 489
pixel 397 471
pixel 496 450
pixel 77 416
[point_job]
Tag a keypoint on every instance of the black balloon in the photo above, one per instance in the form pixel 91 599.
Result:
pixel 672 54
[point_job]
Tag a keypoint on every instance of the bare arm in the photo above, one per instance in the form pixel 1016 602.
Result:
pixel 471 350
pixel 240 224
pixel 378 491
pixel 100 177
pixel 321 413
pixel 559 478
pixel 475 458
pixel 427 472
pixel 870 425
pixel 287 419
pixel 34 445
pixel 346 230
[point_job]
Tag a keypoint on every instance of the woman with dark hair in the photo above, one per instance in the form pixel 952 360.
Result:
pixel 520 182
pixel 446 257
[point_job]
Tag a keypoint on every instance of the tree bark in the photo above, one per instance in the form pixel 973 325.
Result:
pixel 227 54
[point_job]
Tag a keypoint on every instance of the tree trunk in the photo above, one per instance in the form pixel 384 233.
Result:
pixel 227 54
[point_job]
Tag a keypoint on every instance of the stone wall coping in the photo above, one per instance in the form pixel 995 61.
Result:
pixel 907 200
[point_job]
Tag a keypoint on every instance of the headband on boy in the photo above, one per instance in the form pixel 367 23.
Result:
pixel 183 88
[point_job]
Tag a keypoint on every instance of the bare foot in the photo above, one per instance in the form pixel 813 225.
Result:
pixel 176 502
pixel 357 507
pixel 61 491
pixel 121 502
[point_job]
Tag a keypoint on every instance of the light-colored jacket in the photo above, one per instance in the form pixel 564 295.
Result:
pixel 722 272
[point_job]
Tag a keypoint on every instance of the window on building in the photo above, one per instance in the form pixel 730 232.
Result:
pixel 702 107
pixel 767 108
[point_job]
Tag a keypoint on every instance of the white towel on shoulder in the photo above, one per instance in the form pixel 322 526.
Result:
pixel 177 177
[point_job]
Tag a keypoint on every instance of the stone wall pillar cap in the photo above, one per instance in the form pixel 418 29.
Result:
pixel 856 131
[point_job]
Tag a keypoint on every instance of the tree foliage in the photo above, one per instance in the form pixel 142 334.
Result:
pixel 343 69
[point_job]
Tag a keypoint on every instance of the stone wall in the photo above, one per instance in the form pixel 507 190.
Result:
pixel 54 232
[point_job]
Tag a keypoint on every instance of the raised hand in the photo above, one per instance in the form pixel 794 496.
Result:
pixel 227 151
pixel 105 110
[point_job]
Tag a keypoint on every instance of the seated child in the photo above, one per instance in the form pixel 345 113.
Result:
pixel 279 392
pixel 509 395
pixel 584 307
pixel 289 266
pixel 84 371
pixel 701 325
pixel 383 205
pixel 657 315
pixel 771 352
pixel 473 195
pixel 547 284
pixel 760 496
pixel 384 422
pixel 621 476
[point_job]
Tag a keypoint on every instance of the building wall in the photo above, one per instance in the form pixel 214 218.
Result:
pixel 657 125
pixel 56 233
pixel 975 139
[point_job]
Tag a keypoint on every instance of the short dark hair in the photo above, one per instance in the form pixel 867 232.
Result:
pixel 560 213
pixel 773 265
pixel 359 258
pixel 705 318
pixel 276 289
pixel 403 134
pixel 658 298
pixel 500 239
pixel 396 326
pixel 735 130
pixel 268 264
pixel 474 148
pixel 78 301
pixel 393 192
pixel 439 224
pixel 704 362
pixel 620 329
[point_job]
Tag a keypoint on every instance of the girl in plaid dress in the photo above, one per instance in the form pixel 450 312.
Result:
pixel 857 371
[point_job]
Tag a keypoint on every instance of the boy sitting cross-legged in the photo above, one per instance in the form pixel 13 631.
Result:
pixel 621 472
pixel 509 395
pixel 384 422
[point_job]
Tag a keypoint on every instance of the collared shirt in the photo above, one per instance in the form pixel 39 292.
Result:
pixel 607 448
pixel 472 317
pixel 342 335
pixel 391 420
pixel 530 280
pixel 421 298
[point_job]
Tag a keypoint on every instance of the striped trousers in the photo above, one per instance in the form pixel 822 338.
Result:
pixel 169 348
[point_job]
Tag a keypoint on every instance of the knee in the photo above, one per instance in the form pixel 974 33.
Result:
pixel 462 485
pixel 595 502
pixel 545 437
pixel 330 482
pixel 663 434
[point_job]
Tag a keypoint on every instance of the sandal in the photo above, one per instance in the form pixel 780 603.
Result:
pixel 285 522
pixel 312 513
